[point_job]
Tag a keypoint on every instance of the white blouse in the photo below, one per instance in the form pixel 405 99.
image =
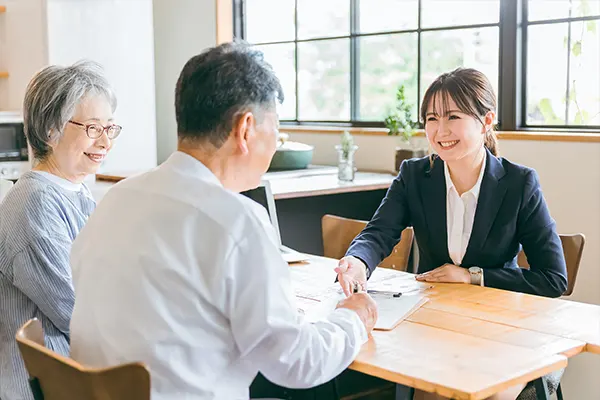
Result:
pixel 460 214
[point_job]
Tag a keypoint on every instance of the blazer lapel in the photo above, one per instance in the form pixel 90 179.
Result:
pixel 492 192
pixel 433 198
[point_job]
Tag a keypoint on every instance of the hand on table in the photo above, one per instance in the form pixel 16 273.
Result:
pixel 363 305
pixel 447 273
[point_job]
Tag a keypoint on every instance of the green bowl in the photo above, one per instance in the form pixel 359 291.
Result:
pixel 291 155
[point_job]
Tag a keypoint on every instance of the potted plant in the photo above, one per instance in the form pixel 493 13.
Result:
pixel 399 123
pixel 346 150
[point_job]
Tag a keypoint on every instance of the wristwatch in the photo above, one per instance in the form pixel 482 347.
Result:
pixel 476 276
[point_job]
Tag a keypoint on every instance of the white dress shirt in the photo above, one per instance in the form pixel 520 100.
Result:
pixel 176 271
pixel 460 214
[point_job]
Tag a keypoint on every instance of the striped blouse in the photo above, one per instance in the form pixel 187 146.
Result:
pixel 39 219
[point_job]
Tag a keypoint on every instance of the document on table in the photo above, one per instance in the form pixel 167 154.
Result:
pixel 317 295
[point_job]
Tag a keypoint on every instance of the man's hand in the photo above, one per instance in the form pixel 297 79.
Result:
pixel 363 305
pixel 447 273
pixel 351 272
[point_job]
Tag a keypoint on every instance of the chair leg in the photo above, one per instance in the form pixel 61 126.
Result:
pixel 541 389
pixel 559 395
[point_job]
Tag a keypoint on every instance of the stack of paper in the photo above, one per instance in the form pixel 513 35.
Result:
pixel 317 295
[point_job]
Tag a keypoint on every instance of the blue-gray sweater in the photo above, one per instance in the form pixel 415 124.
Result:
pixel 38 222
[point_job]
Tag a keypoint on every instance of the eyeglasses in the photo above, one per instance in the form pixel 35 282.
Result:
pixel 94 131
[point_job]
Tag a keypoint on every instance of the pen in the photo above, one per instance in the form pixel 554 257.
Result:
pixel 394 294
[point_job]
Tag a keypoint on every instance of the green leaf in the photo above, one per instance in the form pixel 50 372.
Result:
pixel 591 27
pixel 577 48
pixel 547 111
pixel 582 117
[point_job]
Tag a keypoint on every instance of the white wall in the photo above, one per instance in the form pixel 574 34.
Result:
pixel 22 48
pixel 182 29
pixel 119 35
pixel 116 33
pixel 570 178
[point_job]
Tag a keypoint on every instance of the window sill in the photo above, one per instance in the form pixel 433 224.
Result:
pixel 558 136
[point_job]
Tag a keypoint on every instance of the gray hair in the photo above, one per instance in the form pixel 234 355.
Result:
pixel 52 97
pixel 217 86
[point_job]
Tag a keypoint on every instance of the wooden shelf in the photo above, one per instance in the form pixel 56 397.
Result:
pixel 2 9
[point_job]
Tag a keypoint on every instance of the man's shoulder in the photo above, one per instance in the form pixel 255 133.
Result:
pixel 193 196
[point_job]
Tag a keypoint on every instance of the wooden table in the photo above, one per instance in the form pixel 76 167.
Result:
pixel 469 342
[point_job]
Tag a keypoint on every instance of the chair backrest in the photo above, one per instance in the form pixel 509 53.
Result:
pixel 572 249
pixel 54 377
pixel 4 187
pixel 339 232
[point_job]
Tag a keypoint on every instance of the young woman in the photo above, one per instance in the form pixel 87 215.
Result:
pixel 471 210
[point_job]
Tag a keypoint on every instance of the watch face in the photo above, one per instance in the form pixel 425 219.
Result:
pixel 474 270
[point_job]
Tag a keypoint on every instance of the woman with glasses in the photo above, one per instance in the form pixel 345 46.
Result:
pixel 68 119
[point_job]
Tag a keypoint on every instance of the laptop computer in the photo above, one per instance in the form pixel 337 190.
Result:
pixel 263 196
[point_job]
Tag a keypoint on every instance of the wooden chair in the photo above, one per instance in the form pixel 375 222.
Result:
pixel 339 232
pixel 573 250
pixel 54 377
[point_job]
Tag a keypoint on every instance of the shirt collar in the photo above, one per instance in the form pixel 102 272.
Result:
pixel 189 165
pixel 476 188
pixel 62 182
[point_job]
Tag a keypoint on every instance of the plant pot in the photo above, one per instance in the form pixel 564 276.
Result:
pixel 406 154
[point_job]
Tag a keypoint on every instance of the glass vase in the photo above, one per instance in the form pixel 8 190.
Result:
pixel 346 167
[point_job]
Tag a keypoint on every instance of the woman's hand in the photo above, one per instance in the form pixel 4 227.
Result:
pixel 447 273
pixel 351 272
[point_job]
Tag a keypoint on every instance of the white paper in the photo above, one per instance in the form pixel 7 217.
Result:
pixel 317 294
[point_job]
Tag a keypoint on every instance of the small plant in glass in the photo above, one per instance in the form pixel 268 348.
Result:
pixel 346 150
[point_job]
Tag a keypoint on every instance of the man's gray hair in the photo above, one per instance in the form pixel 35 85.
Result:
pixel 52 97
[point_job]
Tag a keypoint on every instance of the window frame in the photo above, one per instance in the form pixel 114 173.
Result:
pixel 512 69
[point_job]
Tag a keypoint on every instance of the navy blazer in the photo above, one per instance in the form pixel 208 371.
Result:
pixel 511 212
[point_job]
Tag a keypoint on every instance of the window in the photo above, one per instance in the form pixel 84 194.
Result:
pixel 563 53
pixel 341 61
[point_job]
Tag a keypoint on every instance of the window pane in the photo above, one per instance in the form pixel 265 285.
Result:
pixel 386 62
pixel 262 27
pixel 555 9
pixel 281 58
pixel 439 13
pixel 324 80
pixel 584 104
pixel 323 18
pixel 444 51
pixel 388 15
pixel 547 76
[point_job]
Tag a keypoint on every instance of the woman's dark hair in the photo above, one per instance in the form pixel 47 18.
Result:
pixel 220 84
pixel 472 92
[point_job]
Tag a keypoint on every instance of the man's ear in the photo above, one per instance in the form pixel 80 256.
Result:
pixel 243 130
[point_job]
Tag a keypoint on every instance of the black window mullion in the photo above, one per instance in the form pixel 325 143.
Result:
pixel 296 58
pixel 239 19
pixel 419 19
pixel 522 66
pixel 510 59
pixel 354 60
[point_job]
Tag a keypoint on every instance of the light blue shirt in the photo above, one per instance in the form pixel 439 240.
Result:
pixel 39 219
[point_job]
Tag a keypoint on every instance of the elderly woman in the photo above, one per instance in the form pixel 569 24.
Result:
pixel 68 118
